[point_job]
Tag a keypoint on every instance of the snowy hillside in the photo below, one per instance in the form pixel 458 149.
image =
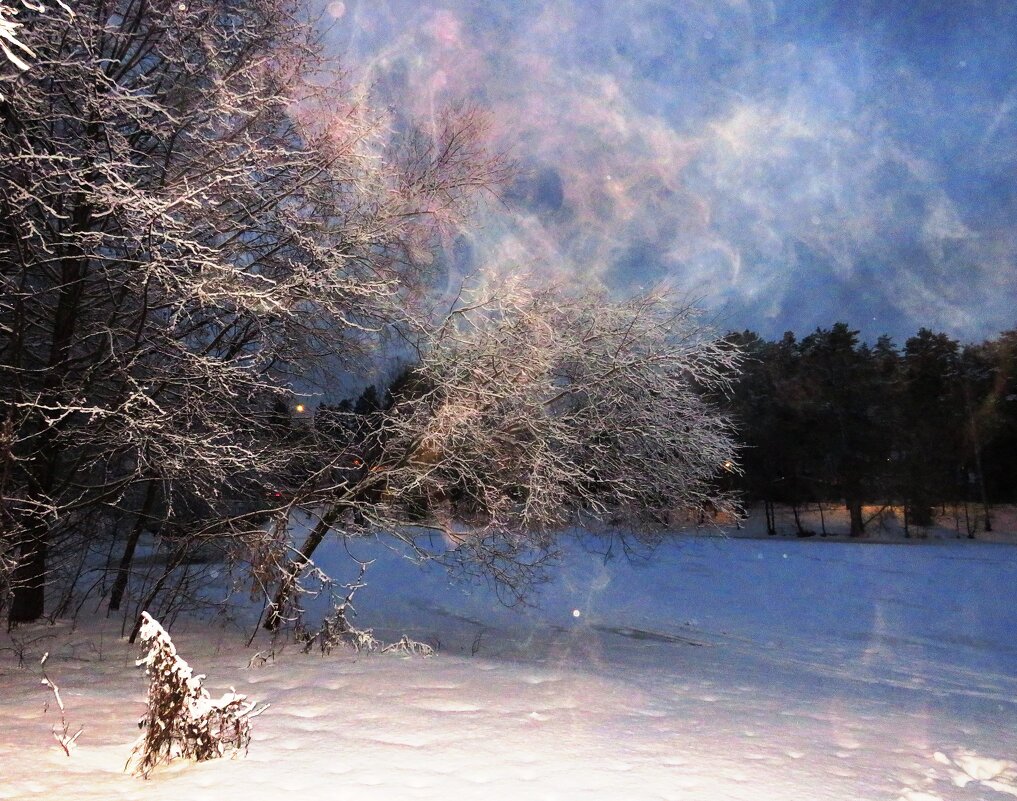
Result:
pixel 718 669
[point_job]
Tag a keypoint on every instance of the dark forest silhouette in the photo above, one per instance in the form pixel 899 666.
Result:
pixel 830 418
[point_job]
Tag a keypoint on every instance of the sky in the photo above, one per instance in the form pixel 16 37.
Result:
pixel 789 163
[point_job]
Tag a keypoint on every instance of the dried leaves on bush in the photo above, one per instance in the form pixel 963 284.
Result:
pixel 182 719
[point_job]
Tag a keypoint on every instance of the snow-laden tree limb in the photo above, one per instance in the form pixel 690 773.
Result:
pixel 12 46
pixel 14 50
pixel 532 410
pixel 193 217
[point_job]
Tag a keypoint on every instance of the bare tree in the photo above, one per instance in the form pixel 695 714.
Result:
pixel 532 410
pixel 193 220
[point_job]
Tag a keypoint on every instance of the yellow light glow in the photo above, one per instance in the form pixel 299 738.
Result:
pixel 300 408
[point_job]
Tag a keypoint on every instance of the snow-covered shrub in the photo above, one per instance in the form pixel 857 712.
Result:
pixel 408 647
pixel 336 631
pixel 182 720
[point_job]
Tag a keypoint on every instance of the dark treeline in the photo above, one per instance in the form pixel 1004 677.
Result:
pixel 829 418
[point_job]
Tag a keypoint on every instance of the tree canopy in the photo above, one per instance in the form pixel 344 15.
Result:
pixel 200 222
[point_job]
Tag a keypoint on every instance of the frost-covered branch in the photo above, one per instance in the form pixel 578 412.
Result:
pixel 61 734
pixel 194 220
pixel 12 45
pixel 546 407
pixel 534 410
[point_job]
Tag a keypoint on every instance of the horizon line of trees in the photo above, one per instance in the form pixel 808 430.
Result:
pixel 829 417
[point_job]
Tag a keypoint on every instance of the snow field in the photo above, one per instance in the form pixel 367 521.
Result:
pixel 718 669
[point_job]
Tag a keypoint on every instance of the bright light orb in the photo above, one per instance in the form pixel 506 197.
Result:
pixel 576 613
pixel 300 408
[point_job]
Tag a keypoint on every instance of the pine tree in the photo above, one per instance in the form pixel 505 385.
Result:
pixel 933 411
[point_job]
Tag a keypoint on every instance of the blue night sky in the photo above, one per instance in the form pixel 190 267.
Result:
pixel 791 163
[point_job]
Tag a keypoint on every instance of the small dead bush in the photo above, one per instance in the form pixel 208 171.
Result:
pixel 182 720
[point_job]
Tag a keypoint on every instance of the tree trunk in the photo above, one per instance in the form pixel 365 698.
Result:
pixel 28 600
pixel 798 522
pixel 976 445
pixel 293 569
pixel 29 592
pixel 920 512
pixel 124 570
pixel 854 507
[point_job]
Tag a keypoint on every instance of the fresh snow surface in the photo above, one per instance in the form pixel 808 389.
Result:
pixel 718 668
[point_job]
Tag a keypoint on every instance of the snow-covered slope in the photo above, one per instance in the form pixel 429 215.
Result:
pixel 715 669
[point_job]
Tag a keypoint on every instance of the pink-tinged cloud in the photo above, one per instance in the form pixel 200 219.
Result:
pixel 792 170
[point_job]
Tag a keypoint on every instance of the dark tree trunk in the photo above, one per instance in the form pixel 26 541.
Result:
pixel 854 507
pixel 976 446
pixel 28 593
pixel 29 596
pixel 28 600
pixel 124 570
pixel 920 513
pixel 293 569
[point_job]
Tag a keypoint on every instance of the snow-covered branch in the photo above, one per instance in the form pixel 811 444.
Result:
pixel 532 410
pixel 545 406
pixel 192 221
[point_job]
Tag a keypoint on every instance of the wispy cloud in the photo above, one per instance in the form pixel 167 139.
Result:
pixel 792 163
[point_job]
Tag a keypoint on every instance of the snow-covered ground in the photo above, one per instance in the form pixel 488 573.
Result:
pixel 720 668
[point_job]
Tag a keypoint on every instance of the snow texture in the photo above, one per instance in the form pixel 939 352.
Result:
pixel 720 668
